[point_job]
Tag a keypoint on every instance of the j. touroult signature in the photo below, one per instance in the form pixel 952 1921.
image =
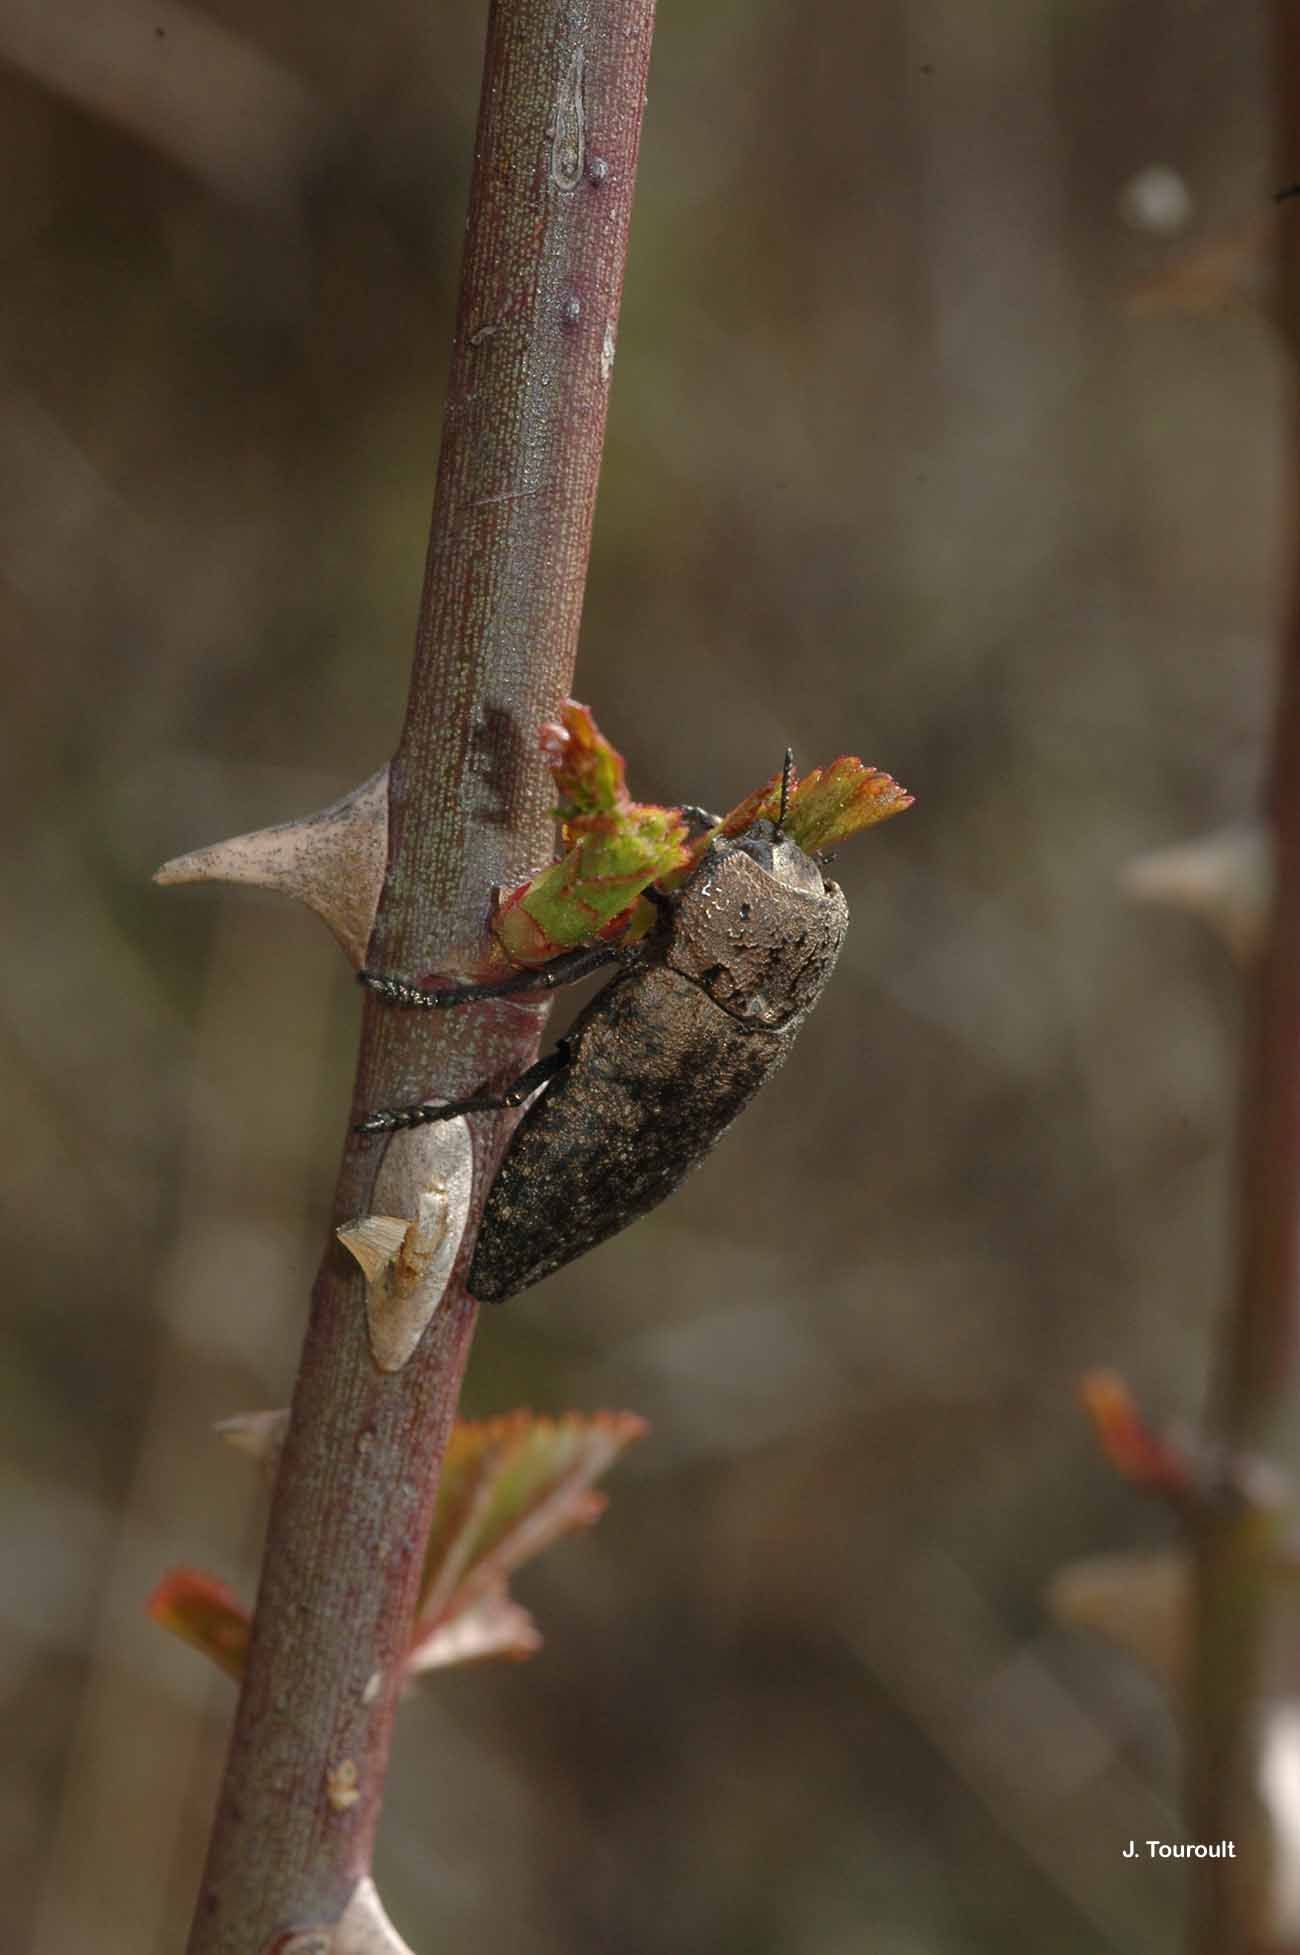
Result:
pixel 1166 1850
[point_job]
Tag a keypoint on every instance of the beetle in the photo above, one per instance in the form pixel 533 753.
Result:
pixel 702 1011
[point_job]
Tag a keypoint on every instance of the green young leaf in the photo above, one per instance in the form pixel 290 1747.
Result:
pixel 614 849
pixel 594 890
pixel 509 1487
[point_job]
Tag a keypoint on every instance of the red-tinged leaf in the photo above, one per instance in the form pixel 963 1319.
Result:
pixel 510 1487
pixel 203 1611
pixel 834 802
pixel 495 1625
pixel 1141 1455
pixel 615 848
pixel 823 809
pixel 590 775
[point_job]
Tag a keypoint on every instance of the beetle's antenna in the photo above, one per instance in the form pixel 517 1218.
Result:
pixel 787 773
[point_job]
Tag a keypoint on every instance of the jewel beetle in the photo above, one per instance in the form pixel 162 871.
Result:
pixel 700 1013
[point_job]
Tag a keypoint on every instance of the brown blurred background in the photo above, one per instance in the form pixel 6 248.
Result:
pixel 945 431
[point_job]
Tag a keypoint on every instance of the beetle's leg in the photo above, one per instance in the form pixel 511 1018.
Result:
pixel 515 1095
pixel 567 968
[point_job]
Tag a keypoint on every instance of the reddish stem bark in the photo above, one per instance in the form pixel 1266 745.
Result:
pixel 559 126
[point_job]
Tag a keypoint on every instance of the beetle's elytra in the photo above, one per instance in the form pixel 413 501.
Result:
pixel 659 1064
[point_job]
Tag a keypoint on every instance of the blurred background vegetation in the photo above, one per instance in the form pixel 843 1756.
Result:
pixel 945 431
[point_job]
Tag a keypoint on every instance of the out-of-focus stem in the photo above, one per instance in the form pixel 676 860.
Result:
pixel 1255 1404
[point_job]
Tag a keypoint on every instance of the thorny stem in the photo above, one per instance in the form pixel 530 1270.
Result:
pixel 559 126
pixel 1256 1398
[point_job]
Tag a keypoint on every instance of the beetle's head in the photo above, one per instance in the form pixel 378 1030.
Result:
pixel 780 857
pixel 758 928
pixel 767 844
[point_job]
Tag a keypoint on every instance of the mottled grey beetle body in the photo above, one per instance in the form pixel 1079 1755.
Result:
pixel 664 1058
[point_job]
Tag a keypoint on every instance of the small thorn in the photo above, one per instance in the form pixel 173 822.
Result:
pixel 1140 1602
pixel 374 1242
pixel 407 1254
pixel 332 861
pixel 259 1434
pixel 365 1929
pixel 1225 878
